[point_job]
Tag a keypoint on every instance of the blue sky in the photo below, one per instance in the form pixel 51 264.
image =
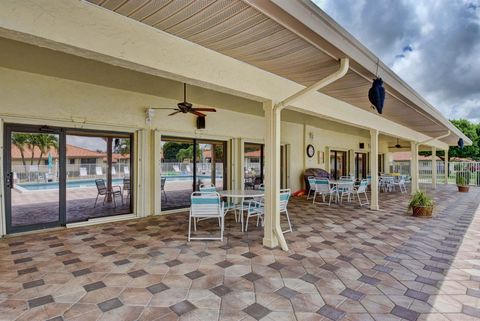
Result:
pixel 434 45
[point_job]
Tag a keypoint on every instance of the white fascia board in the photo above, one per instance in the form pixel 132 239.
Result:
pixel 89 31
pixel 318 21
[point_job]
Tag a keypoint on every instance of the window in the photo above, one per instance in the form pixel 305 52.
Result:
pixel 253 165
pixel 360 165
pixel 338 164
pixel 71 161
pixel 187 163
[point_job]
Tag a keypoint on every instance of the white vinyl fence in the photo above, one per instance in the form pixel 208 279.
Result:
pixel 467 172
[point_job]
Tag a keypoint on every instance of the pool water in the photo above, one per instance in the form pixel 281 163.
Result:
pixel 70 184
pixel 91 183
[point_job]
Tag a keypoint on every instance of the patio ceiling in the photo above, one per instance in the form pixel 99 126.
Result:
pixel 250 31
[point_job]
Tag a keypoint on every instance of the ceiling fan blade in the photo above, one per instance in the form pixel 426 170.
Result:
pixel 175 112
pixel 197 113
pixel 205 109
pixel 156 108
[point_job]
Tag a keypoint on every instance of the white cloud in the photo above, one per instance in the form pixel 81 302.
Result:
pixel 444 63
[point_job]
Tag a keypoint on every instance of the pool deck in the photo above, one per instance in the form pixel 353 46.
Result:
pixel 344 263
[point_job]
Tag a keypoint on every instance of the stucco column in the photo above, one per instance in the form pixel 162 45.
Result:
pixel 414 167
pixel 434 168
pixel 374 169
pixel 272 238
pixel 445 164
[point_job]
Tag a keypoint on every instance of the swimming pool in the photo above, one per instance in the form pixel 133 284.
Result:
pixel 91 183
pixel 70 184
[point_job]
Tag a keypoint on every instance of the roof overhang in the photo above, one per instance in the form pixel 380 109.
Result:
pixel 244 31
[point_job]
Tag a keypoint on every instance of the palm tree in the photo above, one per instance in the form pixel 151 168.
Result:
pixel 44 142
pixel 20 141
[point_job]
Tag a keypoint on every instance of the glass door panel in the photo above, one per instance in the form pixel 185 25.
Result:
pixel 177 183
pixel 360 165
pixel 98 175
pixel 338 164
pixel 253 163
pixel 32 178
pixel 210 164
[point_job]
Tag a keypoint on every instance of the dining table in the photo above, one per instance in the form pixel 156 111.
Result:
pixel 241 195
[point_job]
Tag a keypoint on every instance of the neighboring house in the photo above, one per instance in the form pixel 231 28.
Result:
pixel 76 157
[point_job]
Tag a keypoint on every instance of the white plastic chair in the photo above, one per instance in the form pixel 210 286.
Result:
pixel 284 198
pixel 401 184
pixel 256 208
pixel 126 171
pixel 205 206
pixel 311 183
pixel 362 189
pixel 176 168
pixel 322 187
pixel 98 171
pixel 114 171
pixel 83 172
pixel 345 188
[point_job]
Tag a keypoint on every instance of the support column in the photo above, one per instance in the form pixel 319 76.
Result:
pixel 374 169
pixel 434 168
pixel 446 166
pixel 272 178
pixel 414 167
pixel 109 168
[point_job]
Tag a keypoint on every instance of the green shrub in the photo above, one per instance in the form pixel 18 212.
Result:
pixel 420 199
pixel 462 178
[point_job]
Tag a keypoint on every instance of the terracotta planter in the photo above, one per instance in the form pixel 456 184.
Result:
pixel 463 189
pixel 422 211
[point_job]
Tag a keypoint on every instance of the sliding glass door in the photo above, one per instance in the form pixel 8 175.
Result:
pixel 360 165
pixel 254 165
pixel 338 164
pixel 56 176
pixel 33 188
pixel 99 180
pixel 187 163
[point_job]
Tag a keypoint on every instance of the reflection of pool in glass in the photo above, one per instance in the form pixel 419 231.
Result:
pixel 188 178
pixel 70 184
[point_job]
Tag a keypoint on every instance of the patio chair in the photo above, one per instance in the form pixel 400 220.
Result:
pixel 362 189
pixel 256 209
pixel 98 171
pixel 345 188
pixel 114 171
pixel 208 188
pixel 284 198
pixel 188 169
pixel 322 187
pixel 126 171
pixel 163 181
pixel 102 190
pixel 400 182
pixel 83 172
pixel 311 183
pixel 345 178
pixel 176 169
pixel 126 186
pixel 205 206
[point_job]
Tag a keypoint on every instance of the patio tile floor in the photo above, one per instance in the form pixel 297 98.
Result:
pixel 344 263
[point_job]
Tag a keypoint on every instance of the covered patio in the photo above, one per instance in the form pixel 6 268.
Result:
pixel 344 263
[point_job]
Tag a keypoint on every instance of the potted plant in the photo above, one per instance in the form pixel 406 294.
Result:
pixel 421 204
pixel 463 181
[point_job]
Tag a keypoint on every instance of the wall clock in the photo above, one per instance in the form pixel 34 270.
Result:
pixel 310 150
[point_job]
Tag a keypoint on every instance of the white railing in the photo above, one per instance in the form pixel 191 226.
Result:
pixel 186 169
pixel 43 173
pixel 458 172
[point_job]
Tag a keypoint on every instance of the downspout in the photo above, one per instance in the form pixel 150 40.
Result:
pixel 278 107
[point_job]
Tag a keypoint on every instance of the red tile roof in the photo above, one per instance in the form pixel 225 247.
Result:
pixel 72 152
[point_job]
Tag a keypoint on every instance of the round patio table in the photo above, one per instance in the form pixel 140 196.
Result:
pixel 241 195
